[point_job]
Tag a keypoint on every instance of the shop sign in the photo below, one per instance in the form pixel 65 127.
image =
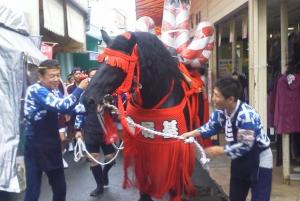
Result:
pixel 47 50
pixel 93 56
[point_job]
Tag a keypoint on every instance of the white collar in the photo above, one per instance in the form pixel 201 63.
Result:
pixel 235 109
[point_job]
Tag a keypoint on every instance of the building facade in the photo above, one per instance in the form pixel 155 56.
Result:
pixel 253 37
pixel 65 33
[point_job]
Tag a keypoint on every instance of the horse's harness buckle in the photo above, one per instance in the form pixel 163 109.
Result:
pixel 107 103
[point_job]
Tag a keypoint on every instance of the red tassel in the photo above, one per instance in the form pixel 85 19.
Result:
pixel 110 129
pixel 101 58
pixel 175 198
pixel 162 174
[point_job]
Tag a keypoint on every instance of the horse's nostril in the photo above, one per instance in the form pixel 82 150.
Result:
pixel 87 101
pixel 91 102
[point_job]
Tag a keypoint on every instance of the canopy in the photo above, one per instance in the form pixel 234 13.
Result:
pixel 11 76
pixel 14 35
pixel 150 8
pixel 15 41
pixel 16 49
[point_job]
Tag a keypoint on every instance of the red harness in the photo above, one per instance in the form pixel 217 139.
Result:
pixel 129 64
pixel 155 156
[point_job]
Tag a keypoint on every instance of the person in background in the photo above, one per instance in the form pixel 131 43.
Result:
pixel 244 86
pixel 235 75
pixel 62 128
pixel 70 120
pixel 89 127
pixel 62 124
pixel 42 153
pixel 76 74
pixel 70 80
pixel 247 142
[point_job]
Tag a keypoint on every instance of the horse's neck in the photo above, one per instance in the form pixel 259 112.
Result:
pixel 172 97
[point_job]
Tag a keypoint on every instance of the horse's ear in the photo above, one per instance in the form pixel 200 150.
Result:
pixel 130 36
pixel 105 37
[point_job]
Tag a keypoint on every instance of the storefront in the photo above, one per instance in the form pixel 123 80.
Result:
pixel 88 59
pixel 255 38
pixel 67 29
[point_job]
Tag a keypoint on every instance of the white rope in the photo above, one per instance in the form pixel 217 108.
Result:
pixel 121 147
pixel 80 148
pixel 203 159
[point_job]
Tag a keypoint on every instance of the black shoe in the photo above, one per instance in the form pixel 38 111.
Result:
pixel 105 179
pixel 98 176
pixel 105 173
pixel 96 192
pixel 145 197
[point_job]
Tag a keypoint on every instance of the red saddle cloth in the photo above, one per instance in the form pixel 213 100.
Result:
pixel 154 164
pixel 157 165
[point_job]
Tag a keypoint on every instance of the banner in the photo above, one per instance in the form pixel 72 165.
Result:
pixel 47 50
pixel 244 27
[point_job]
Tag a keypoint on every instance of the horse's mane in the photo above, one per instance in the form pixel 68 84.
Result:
pixel 158 68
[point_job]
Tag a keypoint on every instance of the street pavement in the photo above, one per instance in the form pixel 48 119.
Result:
pixel 80 182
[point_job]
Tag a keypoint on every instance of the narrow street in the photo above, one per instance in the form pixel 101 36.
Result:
pixel 80 182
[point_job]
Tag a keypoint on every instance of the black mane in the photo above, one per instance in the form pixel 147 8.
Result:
pixel 157 67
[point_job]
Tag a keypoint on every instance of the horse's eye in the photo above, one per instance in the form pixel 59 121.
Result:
pixel 91 101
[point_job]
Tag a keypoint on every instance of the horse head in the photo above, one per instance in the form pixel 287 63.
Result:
pixel 157 70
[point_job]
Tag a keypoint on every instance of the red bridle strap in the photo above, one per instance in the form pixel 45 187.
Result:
pixel 127 63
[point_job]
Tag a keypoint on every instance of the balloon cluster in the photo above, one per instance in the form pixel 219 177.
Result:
pixel 175 33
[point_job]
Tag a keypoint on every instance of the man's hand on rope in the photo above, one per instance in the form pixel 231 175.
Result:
pixel 78 134
pixel 193 133
pixel 214 151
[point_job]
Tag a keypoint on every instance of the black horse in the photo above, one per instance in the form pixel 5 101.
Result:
pixel 158 70
pixel 159 75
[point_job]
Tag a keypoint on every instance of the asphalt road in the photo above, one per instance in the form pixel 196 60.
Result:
pixel 80 182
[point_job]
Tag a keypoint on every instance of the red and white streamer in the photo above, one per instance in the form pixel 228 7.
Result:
pixel 175 24
pixel 175 33
pixel 200 49
pixel 145 24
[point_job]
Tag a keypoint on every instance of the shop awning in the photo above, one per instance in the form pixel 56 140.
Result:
pixel 76 24
pixel 13 19
pixel 150 8
pixel 54 16
pixel 15 41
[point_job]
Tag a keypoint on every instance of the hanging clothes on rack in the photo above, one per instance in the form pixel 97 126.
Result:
pixel 272 91
pixel 287 110
pixel 287 113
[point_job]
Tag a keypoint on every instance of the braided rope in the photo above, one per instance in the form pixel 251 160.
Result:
pixel 80 146
pixel 203 158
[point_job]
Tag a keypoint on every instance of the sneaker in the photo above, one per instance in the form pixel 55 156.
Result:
pixel 64 151
pixel 66 165
pixel 71 147
pixel 105 173
pixel 96 192
pixel 145 197
pixel 105 179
